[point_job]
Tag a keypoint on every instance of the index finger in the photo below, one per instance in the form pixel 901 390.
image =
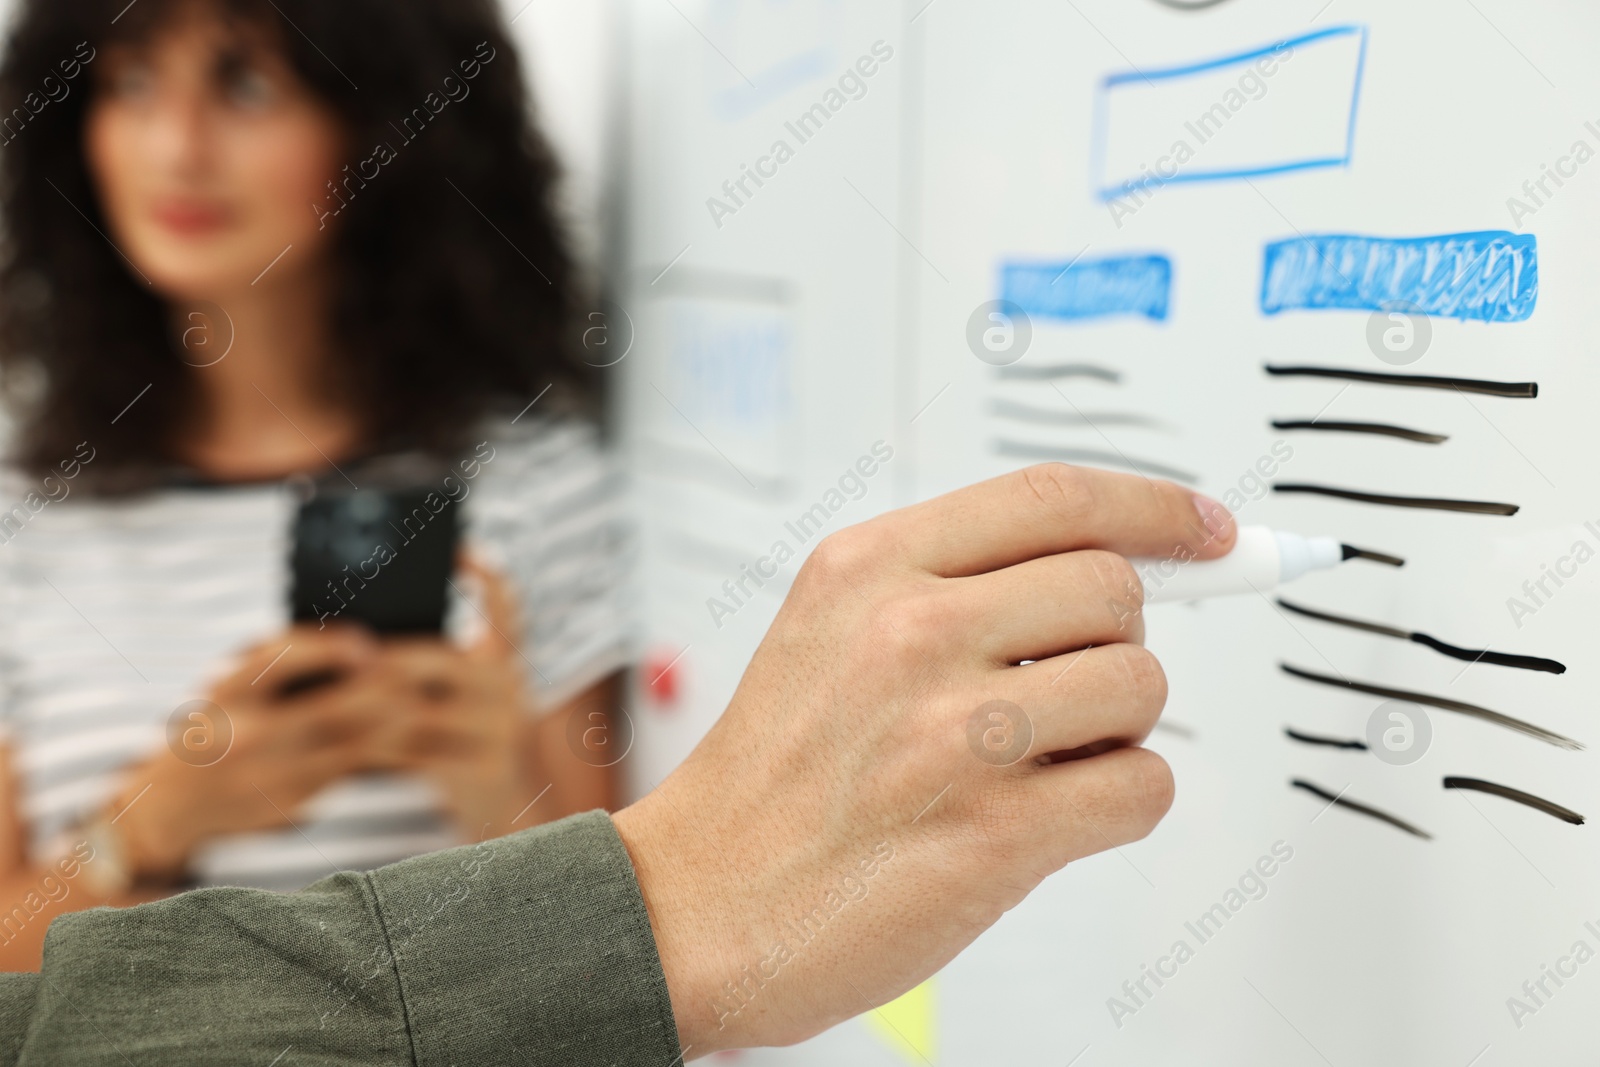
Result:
pixel 302 649
pixel 1052 508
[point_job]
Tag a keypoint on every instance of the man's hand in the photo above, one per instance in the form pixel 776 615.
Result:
pixel 947 709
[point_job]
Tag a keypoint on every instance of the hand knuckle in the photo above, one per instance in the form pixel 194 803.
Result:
pixel 995 817
pixel 899 636
pixel 1066 492
pixel 1150 787
pixel 1148 680
pixel 841 555
pixel 1116 575
pixel 919 617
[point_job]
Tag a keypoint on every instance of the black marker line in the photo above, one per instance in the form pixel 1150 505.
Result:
pixel 1381 428
pixel 1502 659
pixel 1025 450
pixel 1352 552
pixel 1419 381
pixel 1431 503
pixel 1330 742
pixel 1356 805
pixel 1539 803
pixel 1061 370
pixel 1010 409
pixel 1444 703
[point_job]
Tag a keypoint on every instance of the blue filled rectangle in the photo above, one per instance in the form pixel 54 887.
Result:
pixel 1090 288
pixel 1490 276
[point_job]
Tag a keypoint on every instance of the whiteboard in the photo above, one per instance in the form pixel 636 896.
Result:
pixel 1001 154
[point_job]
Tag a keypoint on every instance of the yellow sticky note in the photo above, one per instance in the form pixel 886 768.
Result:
pixel 905 1024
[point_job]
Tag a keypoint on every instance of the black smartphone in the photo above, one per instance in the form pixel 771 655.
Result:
pixel 380 555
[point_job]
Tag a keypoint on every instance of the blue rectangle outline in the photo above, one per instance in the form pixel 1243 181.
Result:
pixel 1102 120
pixel 1309 238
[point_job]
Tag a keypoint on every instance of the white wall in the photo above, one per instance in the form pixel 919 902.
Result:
pixel 570 50
pixel 888 230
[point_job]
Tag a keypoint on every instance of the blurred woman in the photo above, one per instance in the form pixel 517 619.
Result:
pixel 248 242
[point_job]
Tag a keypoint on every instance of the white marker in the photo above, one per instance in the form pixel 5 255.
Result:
pixel 1261 560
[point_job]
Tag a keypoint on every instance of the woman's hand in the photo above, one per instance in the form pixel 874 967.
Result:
pixel 273 751
pixel 948 708
pixel 456 715
pixel 463 715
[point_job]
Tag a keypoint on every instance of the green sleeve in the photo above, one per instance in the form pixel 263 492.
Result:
pixel 531 949
pixel 16 1008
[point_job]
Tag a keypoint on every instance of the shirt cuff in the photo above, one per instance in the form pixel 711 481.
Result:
pixel 530 949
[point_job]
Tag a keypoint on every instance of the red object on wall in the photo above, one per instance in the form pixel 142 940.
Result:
pixel 662 676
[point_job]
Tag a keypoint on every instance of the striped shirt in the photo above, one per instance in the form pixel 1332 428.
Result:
pixel 114 612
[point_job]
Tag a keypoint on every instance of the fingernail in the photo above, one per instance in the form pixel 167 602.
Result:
pixel 1218 522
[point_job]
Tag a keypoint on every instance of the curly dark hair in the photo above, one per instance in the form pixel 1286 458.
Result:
pixel 439 318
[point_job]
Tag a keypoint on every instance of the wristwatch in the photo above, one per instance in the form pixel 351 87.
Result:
pixel 107 874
